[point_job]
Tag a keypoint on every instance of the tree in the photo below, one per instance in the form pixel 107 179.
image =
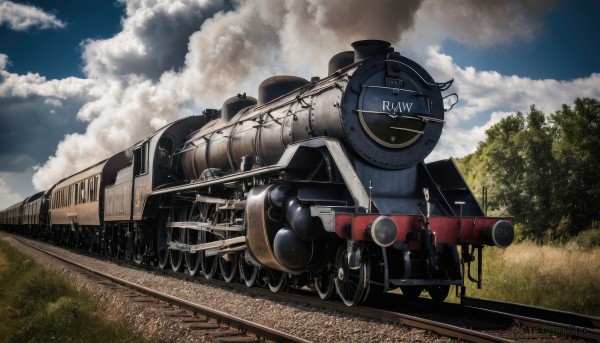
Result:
pixel 577 150
pixel 539 168
pixel 543 172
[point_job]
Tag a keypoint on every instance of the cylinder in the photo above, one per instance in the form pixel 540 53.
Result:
pixel 290 250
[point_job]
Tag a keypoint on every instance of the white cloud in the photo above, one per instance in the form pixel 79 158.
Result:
pixel 488 96
pixel 41 110
pixel 3 61
pixel 20 17
pixel 153 39
pixel 9 196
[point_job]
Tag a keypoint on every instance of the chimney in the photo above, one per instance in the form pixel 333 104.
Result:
pixel 368 48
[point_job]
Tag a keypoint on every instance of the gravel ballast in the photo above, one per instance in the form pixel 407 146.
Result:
pixel 302 320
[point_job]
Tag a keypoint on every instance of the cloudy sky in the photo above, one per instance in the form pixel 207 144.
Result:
pixel 81 80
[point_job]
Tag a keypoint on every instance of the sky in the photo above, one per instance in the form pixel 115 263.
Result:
pixel 82 80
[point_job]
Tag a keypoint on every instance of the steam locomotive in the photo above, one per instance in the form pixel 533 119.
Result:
pixel 318 183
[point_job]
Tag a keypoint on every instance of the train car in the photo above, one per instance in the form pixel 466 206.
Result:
pixel 35 214
pixel 76 204
pixel 11 218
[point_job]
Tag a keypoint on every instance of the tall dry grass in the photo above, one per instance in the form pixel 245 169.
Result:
pixel 560 277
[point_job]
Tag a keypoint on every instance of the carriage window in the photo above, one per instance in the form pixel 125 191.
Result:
pixel 82 192
pixel 140 159
pixel 97 188
pixel 90 192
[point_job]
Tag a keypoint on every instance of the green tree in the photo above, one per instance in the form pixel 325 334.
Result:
pixel 497 166
pixel 539 168
pixel 544 171
pixel 576 147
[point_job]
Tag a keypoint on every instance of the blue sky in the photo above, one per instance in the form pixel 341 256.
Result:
pixel 56 53
pixel 567 47
pixel 80 80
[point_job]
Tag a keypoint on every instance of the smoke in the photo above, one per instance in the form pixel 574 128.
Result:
pixel 153 39
pixel 172 59
pixel 476 23
pixel 263 38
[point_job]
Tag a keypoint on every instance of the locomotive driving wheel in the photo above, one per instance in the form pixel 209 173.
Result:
pixel 275 280
pixel 248 272
pixel 229 265
pixel 209 263
pixel 352 286
pixel 177 236
pixel 176 256
pixel 162 237
pixel 163 257
pixel 192 260
pixel 324 284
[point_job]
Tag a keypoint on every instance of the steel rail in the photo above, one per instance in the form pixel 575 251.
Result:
pixel 533 311
pixel 567 323
pixel 232 321
pixel 422 323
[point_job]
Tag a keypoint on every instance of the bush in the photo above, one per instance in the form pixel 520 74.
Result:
pixel 58 322
pixel 38 291
pixel 590 238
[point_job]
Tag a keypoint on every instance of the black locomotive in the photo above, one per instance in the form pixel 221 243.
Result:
pixel 317 183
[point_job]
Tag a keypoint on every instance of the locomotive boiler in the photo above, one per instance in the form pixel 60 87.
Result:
pixel 318 183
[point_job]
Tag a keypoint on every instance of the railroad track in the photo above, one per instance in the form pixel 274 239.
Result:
pixel 571 318
pixel 529 320
pixel 475 320
pixel 216 325
pixel 494 321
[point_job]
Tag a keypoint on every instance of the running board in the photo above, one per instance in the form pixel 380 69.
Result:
pixel 226 245
pixel 202 226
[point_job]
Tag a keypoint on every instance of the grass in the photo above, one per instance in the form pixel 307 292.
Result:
pixel 563 277
pixel 38 306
